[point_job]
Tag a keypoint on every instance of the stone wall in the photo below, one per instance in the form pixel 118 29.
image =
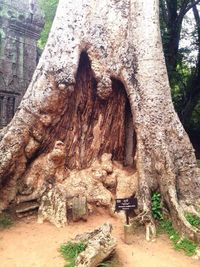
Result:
pixel 20 27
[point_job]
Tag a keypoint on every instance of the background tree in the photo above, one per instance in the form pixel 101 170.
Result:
pixel 49 9
pixel 184 73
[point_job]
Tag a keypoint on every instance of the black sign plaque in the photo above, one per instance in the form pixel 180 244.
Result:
pixel 126 204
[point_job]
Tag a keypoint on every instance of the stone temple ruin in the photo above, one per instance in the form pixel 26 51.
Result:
pixel 21 22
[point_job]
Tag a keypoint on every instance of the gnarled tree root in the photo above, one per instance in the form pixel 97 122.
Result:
pixel 145 218
pixel 178 212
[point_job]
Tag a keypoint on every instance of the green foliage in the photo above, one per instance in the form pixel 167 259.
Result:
pixel 178 83
pixel 49 9
pixel 156 206
pixel 186 245
pixel 70 252
pixel 5 221
pixel 195 118
pixel 193 220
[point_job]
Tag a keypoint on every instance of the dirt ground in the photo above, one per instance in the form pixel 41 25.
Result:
pixel 29 244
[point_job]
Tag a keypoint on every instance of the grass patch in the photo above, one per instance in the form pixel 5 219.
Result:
pixel 5 221
pixel 70 252
pixel 186 245
pixel 193 220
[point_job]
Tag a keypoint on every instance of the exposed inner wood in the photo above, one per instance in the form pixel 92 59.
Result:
pixel 92 126
pixel 130 137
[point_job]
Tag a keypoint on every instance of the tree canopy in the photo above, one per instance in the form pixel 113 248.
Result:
pixel 180 21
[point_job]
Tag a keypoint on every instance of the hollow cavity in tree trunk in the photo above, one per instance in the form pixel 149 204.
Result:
pixel 91 125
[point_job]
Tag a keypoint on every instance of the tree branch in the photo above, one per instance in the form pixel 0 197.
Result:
pixel 182 10
pixel 197 19
pixel 185 8
pixel 172 9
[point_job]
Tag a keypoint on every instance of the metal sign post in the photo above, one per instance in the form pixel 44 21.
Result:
pixel 127 205
pixel 127 217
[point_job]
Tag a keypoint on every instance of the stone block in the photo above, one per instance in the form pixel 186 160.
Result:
pixel 79 209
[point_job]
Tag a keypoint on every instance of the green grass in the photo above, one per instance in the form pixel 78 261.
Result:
pixel 193 220
pixel 5 221
pixel 186 245
pixel 70 252
pixel 165 226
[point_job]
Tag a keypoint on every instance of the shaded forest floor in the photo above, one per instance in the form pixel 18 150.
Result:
pixel 29 244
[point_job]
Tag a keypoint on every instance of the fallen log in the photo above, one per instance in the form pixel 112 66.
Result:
pixel 100 245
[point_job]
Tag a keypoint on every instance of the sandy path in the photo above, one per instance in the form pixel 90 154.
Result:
pixel 29 244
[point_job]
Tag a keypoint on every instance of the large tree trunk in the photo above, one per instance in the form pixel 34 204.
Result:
pixel 102 67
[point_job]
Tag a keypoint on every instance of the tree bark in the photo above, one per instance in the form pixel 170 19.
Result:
pixel 101 57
